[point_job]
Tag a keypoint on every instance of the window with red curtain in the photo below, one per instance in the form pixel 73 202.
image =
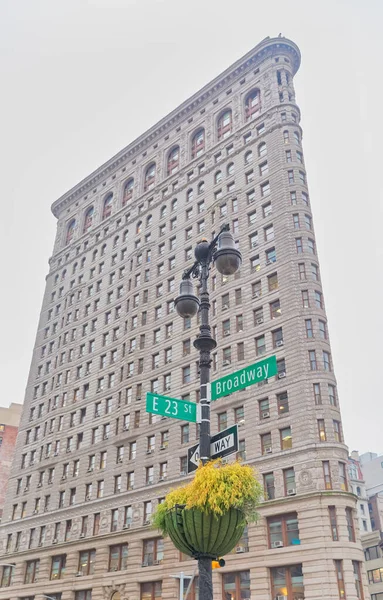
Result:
pixel 225 123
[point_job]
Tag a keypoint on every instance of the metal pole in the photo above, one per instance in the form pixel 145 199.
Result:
pixel 205 344
pixel 182 579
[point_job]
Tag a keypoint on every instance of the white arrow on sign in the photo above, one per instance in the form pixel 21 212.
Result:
pixel 195 456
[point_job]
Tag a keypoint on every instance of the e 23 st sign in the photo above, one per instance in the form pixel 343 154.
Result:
pixel 171 407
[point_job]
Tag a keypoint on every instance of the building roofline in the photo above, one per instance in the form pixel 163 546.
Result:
pixel 176 115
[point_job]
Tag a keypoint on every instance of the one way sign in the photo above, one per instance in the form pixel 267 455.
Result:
pixel 222 444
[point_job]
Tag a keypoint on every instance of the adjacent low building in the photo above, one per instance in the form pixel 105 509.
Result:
pixel 9 426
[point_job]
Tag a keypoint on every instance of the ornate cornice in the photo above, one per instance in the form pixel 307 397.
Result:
pixel 212 89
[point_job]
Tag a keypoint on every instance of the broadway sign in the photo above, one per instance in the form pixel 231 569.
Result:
pixel 244 377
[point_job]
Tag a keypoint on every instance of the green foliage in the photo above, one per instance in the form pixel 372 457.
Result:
pixel 215 489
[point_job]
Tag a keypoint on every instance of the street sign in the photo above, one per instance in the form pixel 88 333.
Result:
pixel 221 444
pixel 171 407
pixel 244 377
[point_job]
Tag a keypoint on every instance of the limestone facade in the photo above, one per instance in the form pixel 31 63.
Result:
pixel 91 464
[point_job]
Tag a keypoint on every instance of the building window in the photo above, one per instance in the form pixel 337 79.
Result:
pixel 282 404
pixel 266 444
pixel 6 577
pixel 70 231
pixel 128 191
pixel 350 524
pixel 153 552
pixel 286 438
pixel 58 566
pixel 327 475
pixel 313 360
pixel 80 595
pixel 86 562
pixel 337 431
pixel 31 571
pixel 225 125
pixel 236 586
pixel 252 105
pixel 118 557
pixel 150 177
pixel 358 579
pixel 269 486
pixel 88 219
pixel 107 208
pixel 340 578
pixel 283 530
pixel 287 582
pixel 198 143
pixel 289 481
pixel 333 523
pixel 151 590
pixel 321 430
pixel 173 160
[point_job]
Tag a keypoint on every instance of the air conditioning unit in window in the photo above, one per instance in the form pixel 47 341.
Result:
pixel 241 422
pixel 54 541
pixel 162 447
pixel 106 436
pixel 68 450
pixel 270 261
pixel 277 544
pixel 63 478
pixel 126 526
pixel 156 562
pixel 90 470
pixel 291 491
pixel 38 485
pixel 265 414
pixel 26 489
pixel 97 414
pixel 226 333
pixel 225 306
pixel 82 535
pixel 282 374
pixel 150 451
pixel 183 473
pixel 279 343
pixel 256 295
pixel 119 459
pixel 138 398
pixel 162 478
pixel 88 498
pixel 144 564
pixel 78 574
pixel 147 522
pixel 240 549
pixel 268 450
pixel 226 363
pixel 254 244
pixel 281 597
pixel 126 427
pixel 259 321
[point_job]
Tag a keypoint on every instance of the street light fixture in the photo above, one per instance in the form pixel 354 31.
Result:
pixel 227 258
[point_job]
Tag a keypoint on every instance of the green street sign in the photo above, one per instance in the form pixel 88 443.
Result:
pixel 244 377
pixel 171 407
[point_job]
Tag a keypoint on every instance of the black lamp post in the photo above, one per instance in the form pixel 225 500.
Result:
pixel 227 259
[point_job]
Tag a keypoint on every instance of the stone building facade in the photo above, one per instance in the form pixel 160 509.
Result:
pixel 91 464
pixel 9 426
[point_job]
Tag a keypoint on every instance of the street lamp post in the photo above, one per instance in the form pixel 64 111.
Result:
pixel 227 260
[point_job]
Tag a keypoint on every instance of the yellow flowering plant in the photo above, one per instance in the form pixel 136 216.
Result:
pixel 215 489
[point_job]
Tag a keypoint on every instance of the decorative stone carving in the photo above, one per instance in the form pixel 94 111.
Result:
pixel 305 478
pixel 115 592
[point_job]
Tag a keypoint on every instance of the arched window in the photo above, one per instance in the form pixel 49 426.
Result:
pixel 150 177
pixel 218 177
pixel 262 149
pixel 252 105
pixel 189 195
pixel 149 219
pixel 139 227
pixel 201 187
pixel 174 204
pixel 296 137
pixel 286 137
pixel 88 221
pixel 163 211
pixel 198 143
pixel 173 160
pixel 128 191
pixel 230 169
pixel 225 124
pixel 115 241
pixel 70 231
pixel 358 491
pixel 107 210
pixel 249 156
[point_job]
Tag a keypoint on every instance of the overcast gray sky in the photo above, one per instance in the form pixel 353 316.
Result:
pixel 80 80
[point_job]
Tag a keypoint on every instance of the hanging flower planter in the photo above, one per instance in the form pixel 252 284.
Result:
pixel 207 517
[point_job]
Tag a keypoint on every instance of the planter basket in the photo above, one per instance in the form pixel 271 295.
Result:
pixel 200 534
